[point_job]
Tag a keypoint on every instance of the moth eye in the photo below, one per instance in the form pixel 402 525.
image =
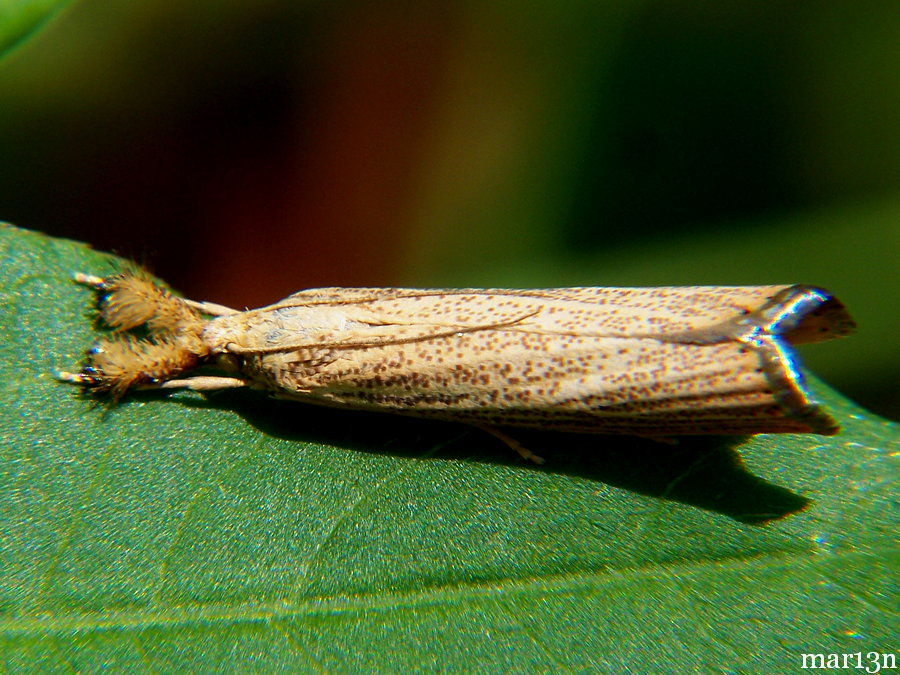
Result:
pixel 228 362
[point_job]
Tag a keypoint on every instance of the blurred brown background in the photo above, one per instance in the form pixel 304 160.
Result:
pixel 245 149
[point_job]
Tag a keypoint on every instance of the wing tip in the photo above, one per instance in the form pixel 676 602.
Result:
pixel 805 314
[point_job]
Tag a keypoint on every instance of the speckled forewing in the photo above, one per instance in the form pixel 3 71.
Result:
pixel 617 360
pixel 611 385
pixel 607 312
pixel 586 359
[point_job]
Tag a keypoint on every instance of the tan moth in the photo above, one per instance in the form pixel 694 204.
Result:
pixel 655 362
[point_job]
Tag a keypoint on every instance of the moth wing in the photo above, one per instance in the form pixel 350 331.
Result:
pixel 660 312
pixel 818 315
pixel 619 360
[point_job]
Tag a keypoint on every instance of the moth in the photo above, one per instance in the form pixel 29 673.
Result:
pixel 654 362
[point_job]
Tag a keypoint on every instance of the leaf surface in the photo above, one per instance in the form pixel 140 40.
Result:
pixel 187 533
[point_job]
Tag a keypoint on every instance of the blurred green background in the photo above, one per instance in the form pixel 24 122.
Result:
pixel 245 149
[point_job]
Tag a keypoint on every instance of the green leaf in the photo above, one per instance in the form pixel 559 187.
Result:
pixel 19 19
pixel 182 533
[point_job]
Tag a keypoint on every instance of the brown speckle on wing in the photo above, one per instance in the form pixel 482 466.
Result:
pixel 578 384
pixel 652 361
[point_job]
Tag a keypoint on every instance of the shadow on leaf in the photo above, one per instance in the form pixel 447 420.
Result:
pixel 702 471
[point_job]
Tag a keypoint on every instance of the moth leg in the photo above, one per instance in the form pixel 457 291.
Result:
pixel 89 280
pixel 199 383
pixel 210 308
pixel 121 362
pixel 73 378
pixel 512 443
pixel 132 299
pixel 170 347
